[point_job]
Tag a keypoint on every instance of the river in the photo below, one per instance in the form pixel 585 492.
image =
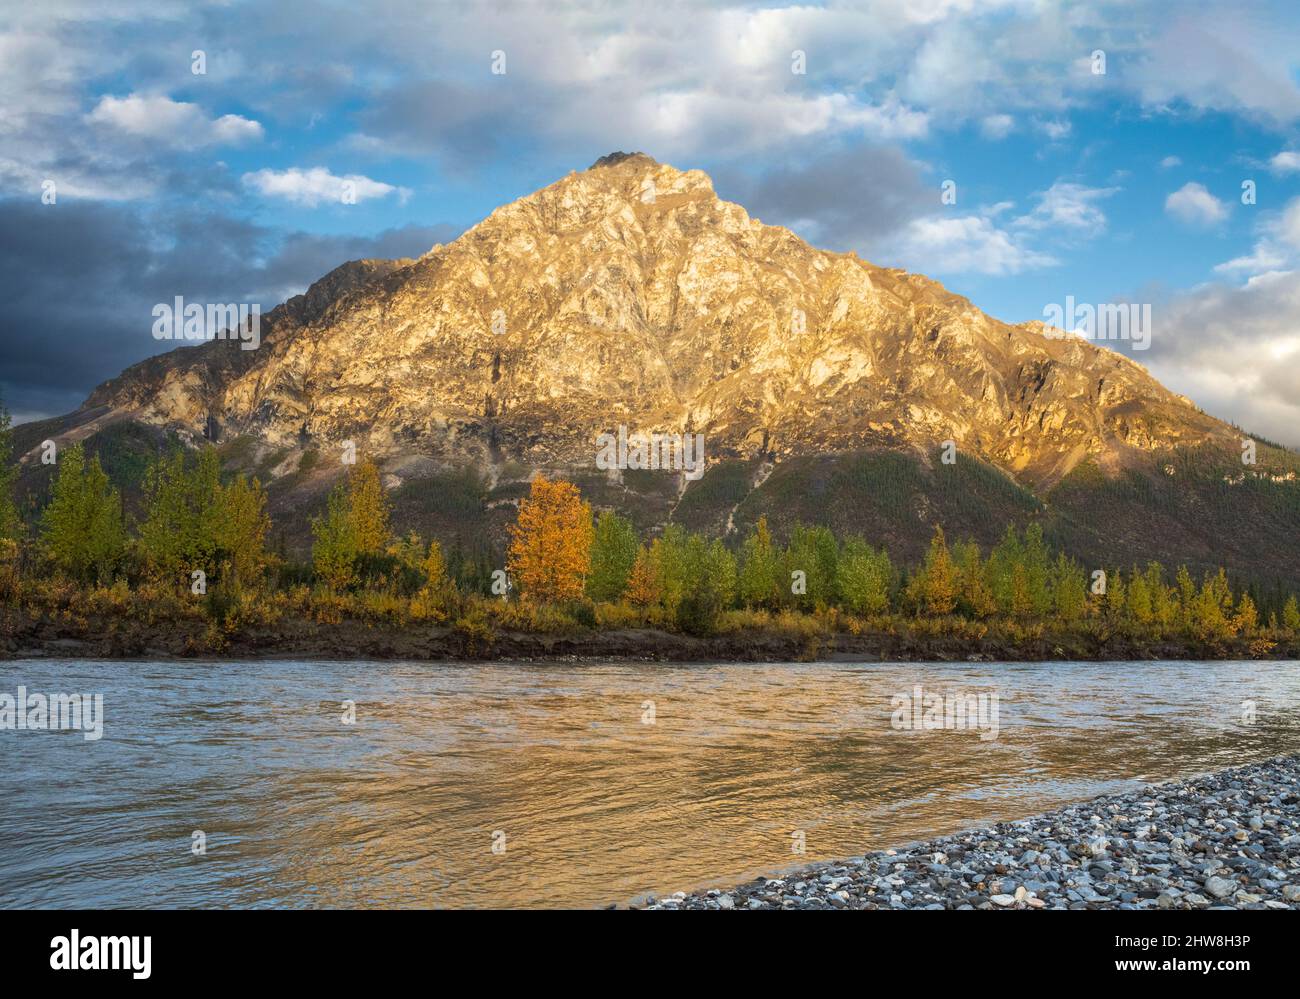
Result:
pixel 485 785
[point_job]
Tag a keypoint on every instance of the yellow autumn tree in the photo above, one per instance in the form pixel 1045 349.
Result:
pixel 644 585
pixel 550 543
pixel 435 599
pixel 939 590
pixel 368 509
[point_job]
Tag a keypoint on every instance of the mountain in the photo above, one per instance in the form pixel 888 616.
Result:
pixel 630 294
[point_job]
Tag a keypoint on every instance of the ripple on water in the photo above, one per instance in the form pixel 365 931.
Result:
pixel 596 806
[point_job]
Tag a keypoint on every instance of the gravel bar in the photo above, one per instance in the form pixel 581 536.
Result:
pixel 1229 840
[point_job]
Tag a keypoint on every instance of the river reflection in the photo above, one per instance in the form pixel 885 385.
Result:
pixel 596 806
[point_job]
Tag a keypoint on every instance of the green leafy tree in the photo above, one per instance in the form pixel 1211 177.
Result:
pixel 1212 608
pixel 613 553
pixel 709 584
pixel 814 552
pixel 436 598
pixel 759 585
pixel 974 594
pixel 334 551
pixel 354 527
pixel 1115 602
pixel 241 528
pixel 1140 609
pixel 1186 590
pixel 1291 614
pixel 674 566
pixel 82 529
pixel 181 529
pixel 1002 562
pixel 1037 570
pixel 1069 590
pixel 1164 604
pixel 864 577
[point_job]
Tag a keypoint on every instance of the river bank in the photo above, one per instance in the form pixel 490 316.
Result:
pixel 1229 840
pixel 112 637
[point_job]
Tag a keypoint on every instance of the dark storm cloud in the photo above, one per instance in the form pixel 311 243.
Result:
pixel 845 199
pixel 78 283
pixel 463 126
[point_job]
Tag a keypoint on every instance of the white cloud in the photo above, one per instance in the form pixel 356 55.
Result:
pixel 1055 129
pixel 969 244
pixel 311 187
pixel 1277 246
pixel 1169 162
pixel 174 123
pixel 1287 161
pixel 1236 351
pixel 997 126
pixel 1219 59
pixel 1260 260
pixel 1194 205
pixel 1069 207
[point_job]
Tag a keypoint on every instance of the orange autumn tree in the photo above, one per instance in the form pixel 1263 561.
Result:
pixel 550 543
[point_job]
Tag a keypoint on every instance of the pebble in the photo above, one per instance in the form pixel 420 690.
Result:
pixel 1226 840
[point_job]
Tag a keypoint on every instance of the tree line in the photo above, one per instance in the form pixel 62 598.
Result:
pixel 200 529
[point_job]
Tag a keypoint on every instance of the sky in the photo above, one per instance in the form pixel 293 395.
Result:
pixel 1109 152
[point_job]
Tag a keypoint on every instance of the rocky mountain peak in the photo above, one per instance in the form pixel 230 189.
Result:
pixel 630 294
pixel 615 158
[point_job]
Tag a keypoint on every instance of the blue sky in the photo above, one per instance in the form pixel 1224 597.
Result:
pixel 1122 185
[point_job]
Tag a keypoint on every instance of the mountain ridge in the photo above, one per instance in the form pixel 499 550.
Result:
pixel 638 261
pixel 631 294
